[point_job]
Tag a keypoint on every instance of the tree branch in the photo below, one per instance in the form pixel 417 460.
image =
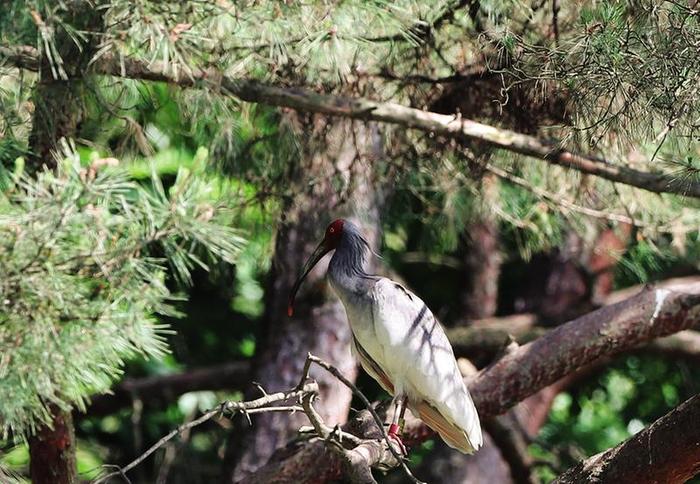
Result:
pixel 261 404
pixel 666 451
pixel 372 453
pixel 365 109
pixel 359 455
pixel 609 330
pixel 159 390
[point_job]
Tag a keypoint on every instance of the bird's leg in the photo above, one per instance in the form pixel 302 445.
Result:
pixel 397 422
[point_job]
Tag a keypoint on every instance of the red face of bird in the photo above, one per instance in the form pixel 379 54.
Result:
pixel 330 241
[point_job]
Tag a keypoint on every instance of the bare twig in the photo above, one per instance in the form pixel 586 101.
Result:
pixel 360 457
pixel 380 424
pixel 252 406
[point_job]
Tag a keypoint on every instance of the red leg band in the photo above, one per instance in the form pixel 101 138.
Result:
pixel 393 429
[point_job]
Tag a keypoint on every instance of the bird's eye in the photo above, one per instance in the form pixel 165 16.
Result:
pixel 331 230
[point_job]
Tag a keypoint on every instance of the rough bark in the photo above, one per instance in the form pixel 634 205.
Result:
pixel 668 452
pixel 451 126
pixel 52 451
pixel 333 156
pixel 610 330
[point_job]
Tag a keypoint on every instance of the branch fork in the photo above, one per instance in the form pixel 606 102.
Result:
pixel 359 455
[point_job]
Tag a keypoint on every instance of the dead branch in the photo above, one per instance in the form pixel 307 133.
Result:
pixel 358 455
pixel 262 404
pixel 360 459
pixel 365 109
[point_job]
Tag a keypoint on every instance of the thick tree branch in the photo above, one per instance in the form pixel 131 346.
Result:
pixel 667 451
pixel 358 108
pixel 651 314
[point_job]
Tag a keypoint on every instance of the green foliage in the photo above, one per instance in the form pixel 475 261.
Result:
pixel 84 257
pixel 648 259
pixel 14 120
pixel 89 259
pixel 632 67
pixel 325 40
pixel 613 405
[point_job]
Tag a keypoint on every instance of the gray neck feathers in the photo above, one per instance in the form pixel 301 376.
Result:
pixel 347 267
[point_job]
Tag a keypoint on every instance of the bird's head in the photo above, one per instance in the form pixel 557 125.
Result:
pixel 331 239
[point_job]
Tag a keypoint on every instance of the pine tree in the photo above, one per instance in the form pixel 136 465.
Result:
pixel 85 257
pixel 580 117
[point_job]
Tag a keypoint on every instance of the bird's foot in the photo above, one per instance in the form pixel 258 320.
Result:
pixel 393 435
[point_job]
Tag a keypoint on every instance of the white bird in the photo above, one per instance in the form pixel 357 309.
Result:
pixel 398 342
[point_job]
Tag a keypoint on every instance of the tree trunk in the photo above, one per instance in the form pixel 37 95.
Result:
pixel 58 113
pixel 337 155
pixel 482 259
pixel 58 95
pixel 52 451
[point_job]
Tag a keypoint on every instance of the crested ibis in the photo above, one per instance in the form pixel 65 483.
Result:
pixel 398 341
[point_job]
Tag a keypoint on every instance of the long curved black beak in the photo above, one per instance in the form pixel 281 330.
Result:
pixel 318 253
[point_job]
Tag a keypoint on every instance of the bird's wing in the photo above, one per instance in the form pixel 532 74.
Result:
pixel 371 367
pixel 418 358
